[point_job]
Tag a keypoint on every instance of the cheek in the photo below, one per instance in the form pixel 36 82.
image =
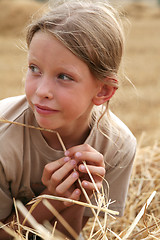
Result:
pixel 74 104
pixel 29 88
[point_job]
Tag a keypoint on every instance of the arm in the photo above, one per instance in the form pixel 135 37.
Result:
pixel 53 178
pixel 59 179
pixel 77 221
pixel 118 179
pixel 74 217
pixel 40 208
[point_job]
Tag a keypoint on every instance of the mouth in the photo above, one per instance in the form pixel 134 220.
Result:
pixel 44 110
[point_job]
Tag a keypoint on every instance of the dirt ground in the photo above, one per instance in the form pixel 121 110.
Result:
pixel 139 105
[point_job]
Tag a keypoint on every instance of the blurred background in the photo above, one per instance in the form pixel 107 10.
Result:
pixel 136 104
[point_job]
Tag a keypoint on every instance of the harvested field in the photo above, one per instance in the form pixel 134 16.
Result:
pixel 138 107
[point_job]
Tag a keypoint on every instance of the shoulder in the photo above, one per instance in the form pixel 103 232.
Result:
pixel 14 99
pixel 11 107
pixel 11 135
pixel 14 109
pixel 120 130
pixel 124 138
pixel 114 140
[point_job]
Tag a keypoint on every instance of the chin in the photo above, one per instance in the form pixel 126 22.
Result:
pixel 44 123
pixel 48 125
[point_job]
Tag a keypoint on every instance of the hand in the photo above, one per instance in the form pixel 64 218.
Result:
pixel 95 164
pixel 59 178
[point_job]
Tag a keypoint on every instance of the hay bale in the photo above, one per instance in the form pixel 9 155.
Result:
pixel 15 14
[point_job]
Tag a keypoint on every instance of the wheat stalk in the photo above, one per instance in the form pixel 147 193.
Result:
pixel 62 199
pixel 139 216
pixel 40 228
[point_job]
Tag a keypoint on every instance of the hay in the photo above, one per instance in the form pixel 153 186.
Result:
pixel 16 14
pixel 144 182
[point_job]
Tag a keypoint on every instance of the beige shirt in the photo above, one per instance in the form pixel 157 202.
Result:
pixel 24 153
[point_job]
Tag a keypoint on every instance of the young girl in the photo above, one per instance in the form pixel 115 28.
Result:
pixel 74 54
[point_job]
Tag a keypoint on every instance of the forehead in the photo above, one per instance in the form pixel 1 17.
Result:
pixel 44 46
pixel 46 41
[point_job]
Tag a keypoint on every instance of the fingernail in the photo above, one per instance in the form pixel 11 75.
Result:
pixel 66 153
pixel 75 174
pixel 66 159
pixel 82 167
pixel 73 162
pixel 77 192
pixel 78 154
pixel 85 184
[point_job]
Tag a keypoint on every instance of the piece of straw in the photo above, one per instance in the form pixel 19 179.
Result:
pixel 139 216
pixel 62 199
pixel 40 228
pixel 10 231
pixel 61 219
pixel 3 120
pixel 93 226
pixel 17 216
pixel 30 211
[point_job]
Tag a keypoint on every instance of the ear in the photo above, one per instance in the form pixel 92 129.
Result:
pixel 104 94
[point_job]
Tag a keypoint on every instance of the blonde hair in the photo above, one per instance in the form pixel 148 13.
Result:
pixel 92 30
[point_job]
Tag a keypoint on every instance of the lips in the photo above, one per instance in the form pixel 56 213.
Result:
pixel 44 109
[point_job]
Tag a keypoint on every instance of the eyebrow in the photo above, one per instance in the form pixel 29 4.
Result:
pixel 71 70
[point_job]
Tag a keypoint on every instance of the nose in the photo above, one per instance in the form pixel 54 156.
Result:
pixel 45 88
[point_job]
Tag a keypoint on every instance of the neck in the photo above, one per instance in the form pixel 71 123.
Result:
pixel 69 138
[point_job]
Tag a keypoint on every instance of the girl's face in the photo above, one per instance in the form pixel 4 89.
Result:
pixel 59 86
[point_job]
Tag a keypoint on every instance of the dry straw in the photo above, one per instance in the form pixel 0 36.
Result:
pixel 138 221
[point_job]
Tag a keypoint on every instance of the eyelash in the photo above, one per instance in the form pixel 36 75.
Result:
pixel 62 75
pixel 32 68
pixel 35 70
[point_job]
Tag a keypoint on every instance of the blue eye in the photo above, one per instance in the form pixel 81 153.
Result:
pixel 34 69
pixel 65 77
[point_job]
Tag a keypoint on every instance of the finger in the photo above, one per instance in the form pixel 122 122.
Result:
pixel 59 175
pixel 87 153
pixel 93 158
pixel 74 196
pixel 94 170
pixel 84 147
pixel 90 186
pixel 51 167
pixel 67 183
